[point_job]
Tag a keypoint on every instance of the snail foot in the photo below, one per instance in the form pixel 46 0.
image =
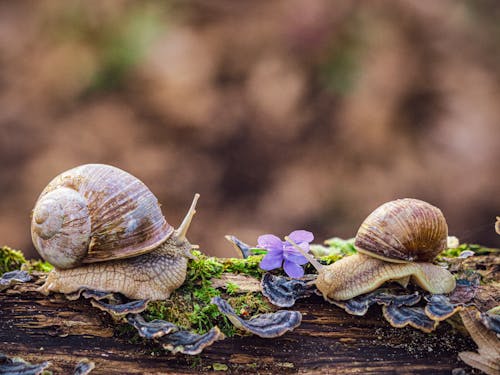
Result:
pixel 283 291
pixel 13 277
pixel 265 325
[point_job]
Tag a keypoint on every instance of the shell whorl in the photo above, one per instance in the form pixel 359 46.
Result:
pixel 95 213
pixel 61 221
pixel 404 230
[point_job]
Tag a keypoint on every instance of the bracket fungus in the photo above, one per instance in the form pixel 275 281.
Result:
pixel 266 325
pixel 153 329
pixel 122 309
pixel 13 277
pixel 359 305
pixel 283 291
pixel 440 308
pixel 19 366
pixel 401 316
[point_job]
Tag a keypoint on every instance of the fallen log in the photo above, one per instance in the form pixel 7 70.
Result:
pixel 39 328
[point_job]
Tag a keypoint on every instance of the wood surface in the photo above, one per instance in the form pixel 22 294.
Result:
pixel 39 328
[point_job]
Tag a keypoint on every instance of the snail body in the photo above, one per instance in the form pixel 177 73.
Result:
pixel 396 242
pixel 103 229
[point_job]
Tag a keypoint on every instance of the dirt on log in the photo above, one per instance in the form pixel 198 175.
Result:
pixel 39 328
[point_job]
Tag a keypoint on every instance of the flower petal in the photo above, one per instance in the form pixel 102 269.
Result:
pixel 270 242
pixel 293 270
pixel 299 236
pixel 271 261
pixel 295 258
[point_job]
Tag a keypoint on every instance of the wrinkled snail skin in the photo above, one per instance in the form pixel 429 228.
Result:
pixel 359 274
pixel 152 276
pixel 103 229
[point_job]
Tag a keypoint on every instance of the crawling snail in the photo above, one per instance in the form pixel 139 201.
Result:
pixel 103 229
pixel 397 241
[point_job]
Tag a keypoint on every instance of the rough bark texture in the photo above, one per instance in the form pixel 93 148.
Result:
pixel 39 328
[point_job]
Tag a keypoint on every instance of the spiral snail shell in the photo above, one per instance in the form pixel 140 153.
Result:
pixel 103 229
pixel 404 230
pixel 398 241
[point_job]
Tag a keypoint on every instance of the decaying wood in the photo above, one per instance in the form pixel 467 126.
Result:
pixel 39 328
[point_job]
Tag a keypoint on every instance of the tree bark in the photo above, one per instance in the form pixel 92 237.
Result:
pixel 39 328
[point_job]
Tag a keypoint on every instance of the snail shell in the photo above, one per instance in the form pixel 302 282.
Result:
pixel 404 230
pixel 94 213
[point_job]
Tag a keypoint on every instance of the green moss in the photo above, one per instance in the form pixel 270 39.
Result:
pixel 219 366
pixel 231 288
pixel 10 259
pixel 37 265
pixel 189 306
pixel 476 249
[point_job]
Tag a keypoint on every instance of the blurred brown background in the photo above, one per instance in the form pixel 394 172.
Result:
pixel 282 114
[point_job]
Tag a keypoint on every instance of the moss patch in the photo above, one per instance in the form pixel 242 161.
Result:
pixel 189 306
pixel 10 259
pixel 476 249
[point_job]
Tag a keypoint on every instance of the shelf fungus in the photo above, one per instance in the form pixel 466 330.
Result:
pixel 439 307
pixel 170 336
pixel 13 277
pixel 284 291
pixel 466 289
pixel 487 358
pixel 266 325
pixel 153 329
pixel 240 246
pixel 121 309
pixel 359 305
pixel 400 310
pixel 19 366
pixel 491 321
pixel 186 342
pixel 83 367
pixel 401 316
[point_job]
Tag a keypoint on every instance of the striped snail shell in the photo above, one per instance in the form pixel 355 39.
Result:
pixel 403 230
pixel 94 213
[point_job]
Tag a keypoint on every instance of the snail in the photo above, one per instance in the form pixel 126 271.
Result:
pixel 103 229
pixel 397 241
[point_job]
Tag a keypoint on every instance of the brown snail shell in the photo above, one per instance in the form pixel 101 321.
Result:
pixel 96 212
pixel 403 230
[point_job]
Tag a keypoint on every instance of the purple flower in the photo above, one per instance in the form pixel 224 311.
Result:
pixel 282 252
